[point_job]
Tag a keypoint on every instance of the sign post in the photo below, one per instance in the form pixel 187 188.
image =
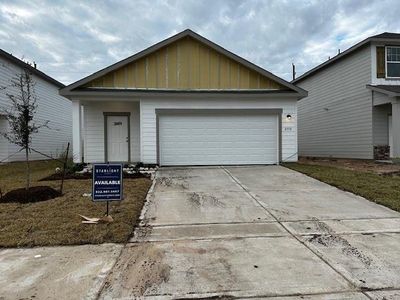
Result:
pixel 107 183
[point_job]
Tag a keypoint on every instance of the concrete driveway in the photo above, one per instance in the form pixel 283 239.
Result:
pixel 258 232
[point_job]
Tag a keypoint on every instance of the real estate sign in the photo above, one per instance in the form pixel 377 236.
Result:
pixel 107 182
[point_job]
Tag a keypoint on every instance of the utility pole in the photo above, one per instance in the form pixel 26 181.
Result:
pixel 293 71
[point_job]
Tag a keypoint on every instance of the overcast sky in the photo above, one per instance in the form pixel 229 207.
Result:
pixel 72 39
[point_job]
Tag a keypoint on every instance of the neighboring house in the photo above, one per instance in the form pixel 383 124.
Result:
pixel 184 101
pixel 50 106
pixel 353 104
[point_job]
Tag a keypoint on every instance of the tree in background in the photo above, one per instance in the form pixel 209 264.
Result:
pixel 20 114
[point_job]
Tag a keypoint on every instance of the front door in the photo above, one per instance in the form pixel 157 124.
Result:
pixel 117 139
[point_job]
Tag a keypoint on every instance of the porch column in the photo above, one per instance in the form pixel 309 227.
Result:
pixel 76 131
pixel 396 127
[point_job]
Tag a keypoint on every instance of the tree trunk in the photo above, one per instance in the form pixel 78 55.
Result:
pixel 28 179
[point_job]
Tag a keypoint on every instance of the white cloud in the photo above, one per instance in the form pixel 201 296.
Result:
pixel 16 14
pixel 102 36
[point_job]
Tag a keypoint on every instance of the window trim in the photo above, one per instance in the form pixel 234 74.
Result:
pixel 392 62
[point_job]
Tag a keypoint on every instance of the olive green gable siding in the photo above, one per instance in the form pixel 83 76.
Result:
pixel 185 64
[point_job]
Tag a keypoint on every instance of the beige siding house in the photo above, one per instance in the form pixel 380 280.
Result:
pixel 353 104
pixel 184 101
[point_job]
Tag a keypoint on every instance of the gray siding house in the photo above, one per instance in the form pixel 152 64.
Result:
pixel 50 107
pixel 353 104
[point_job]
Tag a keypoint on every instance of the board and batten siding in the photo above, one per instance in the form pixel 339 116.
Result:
pixel 336 117
pixel 148 119
pixel 93 120
pixel 50 106
pixel 185 64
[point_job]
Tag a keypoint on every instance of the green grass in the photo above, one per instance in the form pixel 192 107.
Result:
pixel 381 189
pixel 56 221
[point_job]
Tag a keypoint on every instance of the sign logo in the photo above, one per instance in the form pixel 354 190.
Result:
pixel 107 182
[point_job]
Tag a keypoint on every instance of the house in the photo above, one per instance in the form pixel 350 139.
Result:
pixel 353 104
pixel 184 101
pixel 51 107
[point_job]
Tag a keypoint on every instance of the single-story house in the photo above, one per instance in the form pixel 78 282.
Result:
pixel 353 104
pixel 50 107
pixel 184 101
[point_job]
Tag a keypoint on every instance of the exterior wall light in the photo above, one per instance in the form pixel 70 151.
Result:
pixel 288 117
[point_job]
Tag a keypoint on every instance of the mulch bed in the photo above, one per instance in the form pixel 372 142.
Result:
pixel 34 194
pixel 58 176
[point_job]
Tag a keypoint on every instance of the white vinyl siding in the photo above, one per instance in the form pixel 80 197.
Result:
pixel 336 117
pixel 149 127
pixel 3 142
pixel 93 125
pixel 218 139
pixel 51 106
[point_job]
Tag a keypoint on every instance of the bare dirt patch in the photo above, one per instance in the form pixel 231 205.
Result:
pixel 332 240
pixel 178 182
pixel 202 199
pixel 34 194
pixel 354 164
pixel 139 270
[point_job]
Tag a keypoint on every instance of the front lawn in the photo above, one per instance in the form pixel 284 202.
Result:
pixel 56 222
pixel 382 189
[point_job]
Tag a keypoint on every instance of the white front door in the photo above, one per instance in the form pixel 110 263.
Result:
pixel 117 139
pixel 390 135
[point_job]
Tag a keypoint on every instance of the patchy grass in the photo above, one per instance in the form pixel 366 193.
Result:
pixel 362 165
pixel 12 175
pixel 56 221
pixel 381 189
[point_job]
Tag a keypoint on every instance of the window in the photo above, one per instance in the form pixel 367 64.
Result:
pixel 393 62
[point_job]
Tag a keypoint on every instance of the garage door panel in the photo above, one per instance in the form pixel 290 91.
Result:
pixel 218 139
pixel 215 146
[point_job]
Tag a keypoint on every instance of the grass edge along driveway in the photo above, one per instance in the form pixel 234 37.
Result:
pixel 382 189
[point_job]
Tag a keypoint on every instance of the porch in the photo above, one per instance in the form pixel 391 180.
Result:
pixel 106 131
pixel 386 121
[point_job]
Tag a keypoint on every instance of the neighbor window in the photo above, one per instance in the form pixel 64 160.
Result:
pixel 393 62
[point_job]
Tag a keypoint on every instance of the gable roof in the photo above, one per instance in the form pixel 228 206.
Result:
pixel 81 84
pixel 385 36
pixel 35 71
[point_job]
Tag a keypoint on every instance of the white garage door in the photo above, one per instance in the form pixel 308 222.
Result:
pixel 218 139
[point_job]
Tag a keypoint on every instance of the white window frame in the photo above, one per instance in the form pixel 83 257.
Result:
pixel 392 62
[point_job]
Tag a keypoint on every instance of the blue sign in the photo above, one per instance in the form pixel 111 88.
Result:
pixel 107 182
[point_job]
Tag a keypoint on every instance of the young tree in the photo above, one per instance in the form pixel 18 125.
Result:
pixel 20 114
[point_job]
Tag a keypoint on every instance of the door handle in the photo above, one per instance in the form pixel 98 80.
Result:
pixel 127 139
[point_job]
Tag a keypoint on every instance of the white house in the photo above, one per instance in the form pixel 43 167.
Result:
pixel 353 104
pixel 184 101
pixel 50 106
